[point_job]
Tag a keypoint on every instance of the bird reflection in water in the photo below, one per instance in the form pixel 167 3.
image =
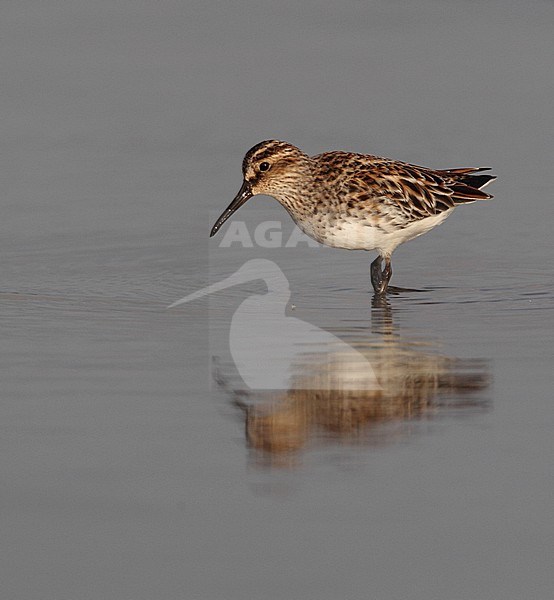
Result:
pixel 332 403
pixel 301 385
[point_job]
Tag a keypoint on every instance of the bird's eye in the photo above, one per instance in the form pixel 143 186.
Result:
pixel 264 166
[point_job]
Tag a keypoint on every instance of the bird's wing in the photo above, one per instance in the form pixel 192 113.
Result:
pixel 409 191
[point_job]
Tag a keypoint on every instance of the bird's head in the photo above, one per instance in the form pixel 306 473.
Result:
pixel 273 168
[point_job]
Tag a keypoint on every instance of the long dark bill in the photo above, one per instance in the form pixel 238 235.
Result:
pixel 244 194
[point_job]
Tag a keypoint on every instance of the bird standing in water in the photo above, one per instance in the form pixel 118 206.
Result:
pixel 356 201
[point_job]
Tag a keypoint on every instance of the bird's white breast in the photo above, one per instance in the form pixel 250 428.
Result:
pixel 354 233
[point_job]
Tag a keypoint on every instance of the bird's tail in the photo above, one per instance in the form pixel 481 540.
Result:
pixel 467 176
pixel 468 185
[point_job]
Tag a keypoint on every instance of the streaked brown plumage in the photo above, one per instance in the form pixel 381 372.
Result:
pixel 356 201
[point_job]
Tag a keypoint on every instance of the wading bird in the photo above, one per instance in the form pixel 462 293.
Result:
pixel 356 201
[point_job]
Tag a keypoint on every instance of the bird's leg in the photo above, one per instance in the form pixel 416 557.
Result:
pixel 387 274
pixel 380 279
pixel 376 274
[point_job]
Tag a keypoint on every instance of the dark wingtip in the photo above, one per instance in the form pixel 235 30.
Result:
pixel 468 186
pixel 479 181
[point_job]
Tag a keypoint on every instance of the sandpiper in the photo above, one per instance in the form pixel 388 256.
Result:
pixel 356 201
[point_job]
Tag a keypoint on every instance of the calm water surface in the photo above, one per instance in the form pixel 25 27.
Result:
pixel 132 465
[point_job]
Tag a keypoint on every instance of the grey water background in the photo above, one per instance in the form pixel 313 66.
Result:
pixel 124 470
